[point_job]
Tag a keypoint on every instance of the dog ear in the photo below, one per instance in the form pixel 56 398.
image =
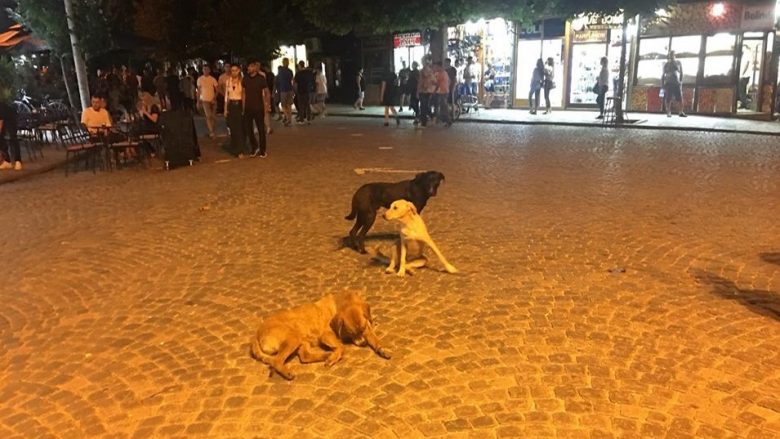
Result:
pixel 337 325
pixel 413 208
pixel 441 176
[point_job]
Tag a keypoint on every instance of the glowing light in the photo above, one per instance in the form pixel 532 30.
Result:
pixel 717 10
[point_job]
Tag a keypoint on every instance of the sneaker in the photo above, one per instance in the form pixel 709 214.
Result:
pixel 401 110
pixel 668 114
pixel 255 153
pixel 683 115
pixel 362 108
pixel 263 155
pixel 18 166
pixel 269 131
pixel 6 165
pixel 600 116
pixel 241 155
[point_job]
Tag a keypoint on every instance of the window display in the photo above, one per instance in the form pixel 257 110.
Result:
pixel 490 44
pixel 719 59
pixel 585 70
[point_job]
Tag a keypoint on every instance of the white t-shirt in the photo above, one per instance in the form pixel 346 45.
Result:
pixel 207 86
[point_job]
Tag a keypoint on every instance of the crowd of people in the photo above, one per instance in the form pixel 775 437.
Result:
pixel 248 98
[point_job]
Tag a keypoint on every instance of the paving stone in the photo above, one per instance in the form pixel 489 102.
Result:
pixel 611 282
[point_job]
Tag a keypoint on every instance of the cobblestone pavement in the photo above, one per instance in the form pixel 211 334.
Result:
pixel 612 285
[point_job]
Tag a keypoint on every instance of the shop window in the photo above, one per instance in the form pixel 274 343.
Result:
pixel 719 59
pixel 653 53
pixel 686 50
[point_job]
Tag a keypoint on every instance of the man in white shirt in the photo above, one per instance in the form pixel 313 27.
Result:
pixel 207 94
pixel 96 116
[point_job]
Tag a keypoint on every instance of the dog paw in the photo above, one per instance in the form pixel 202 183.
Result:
pixel 401 273
pixel 383 353
pixel 286 374
pixel 389 270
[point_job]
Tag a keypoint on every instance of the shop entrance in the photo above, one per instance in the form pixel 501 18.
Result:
pixel 587 49
pixel 749 81
pixel 528 51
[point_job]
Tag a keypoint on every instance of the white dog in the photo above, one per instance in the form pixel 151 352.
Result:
pixel 408 250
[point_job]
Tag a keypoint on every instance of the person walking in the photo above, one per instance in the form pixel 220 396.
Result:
pixel 468 77
pixel 320 92
pixel 426 88
pixel 207 95
pixel 440 102
pixel 304 84
pixel 452 74
pixel 257 101
pixel 549 83
pixel 671 83
pixel 403 79
pixel 234 111
pixel 360 79
pixel 537 79
pixel 8 127
pixel 602 85
pixel 389 92
pixel 284 86
pixel 411 87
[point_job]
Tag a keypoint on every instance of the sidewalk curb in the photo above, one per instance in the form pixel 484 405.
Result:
pixel 16 176
pixel 578 125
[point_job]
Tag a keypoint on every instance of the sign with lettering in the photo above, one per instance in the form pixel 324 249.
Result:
pixel 590 36
pixel 407 39
pixel 758 17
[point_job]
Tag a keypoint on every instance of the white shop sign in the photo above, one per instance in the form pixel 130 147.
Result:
pixel 758 17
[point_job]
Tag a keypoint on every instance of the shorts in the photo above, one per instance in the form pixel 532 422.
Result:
pixel 286 98
pixel 673 92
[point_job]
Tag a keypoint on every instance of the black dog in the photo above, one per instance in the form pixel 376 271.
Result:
pixel 370 197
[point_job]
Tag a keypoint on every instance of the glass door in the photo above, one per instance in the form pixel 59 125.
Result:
pixel 585 68
pixel 529 51
pixel 749 78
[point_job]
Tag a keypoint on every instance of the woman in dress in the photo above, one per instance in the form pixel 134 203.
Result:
pixel 389 93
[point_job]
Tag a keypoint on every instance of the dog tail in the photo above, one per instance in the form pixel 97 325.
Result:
pixel 352 215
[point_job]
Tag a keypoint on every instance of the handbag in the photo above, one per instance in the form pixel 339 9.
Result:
pixel 596 88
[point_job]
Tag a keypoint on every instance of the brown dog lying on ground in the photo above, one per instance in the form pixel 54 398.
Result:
pixel 407 253
pixel 307 329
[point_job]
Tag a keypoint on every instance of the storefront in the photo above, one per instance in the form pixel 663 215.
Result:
pixel 408 47
pixel 540 41
pixel 490 44
pixel 294 53
pixel 726 51
pixel 592 38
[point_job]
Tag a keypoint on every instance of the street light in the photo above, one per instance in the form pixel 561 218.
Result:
pixel 717 10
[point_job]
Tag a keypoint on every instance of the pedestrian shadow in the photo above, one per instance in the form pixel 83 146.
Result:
pixel 765 303
pixel 771 257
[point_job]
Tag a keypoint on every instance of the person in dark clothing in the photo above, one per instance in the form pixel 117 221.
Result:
pixel 8 126
pixel 256 101
pixel 234 111
pixel 389 92
pixel 411 90
pixel 304 85
pixel 172 87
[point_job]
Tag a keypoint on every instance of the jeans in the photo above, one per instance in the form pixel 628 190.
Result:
pixel 252 118
pixel 443 108
pixel 425 108
pixel 533 98
pixel 235 122
pixel 304 107
pixel 547 97
pixel 600 98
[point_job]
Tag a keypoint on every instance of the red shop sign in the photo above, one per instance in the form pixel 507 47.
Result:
pixel 407 39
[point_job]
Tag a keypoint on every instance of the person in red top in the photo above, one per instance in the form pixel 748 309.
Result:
pixel 442 92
